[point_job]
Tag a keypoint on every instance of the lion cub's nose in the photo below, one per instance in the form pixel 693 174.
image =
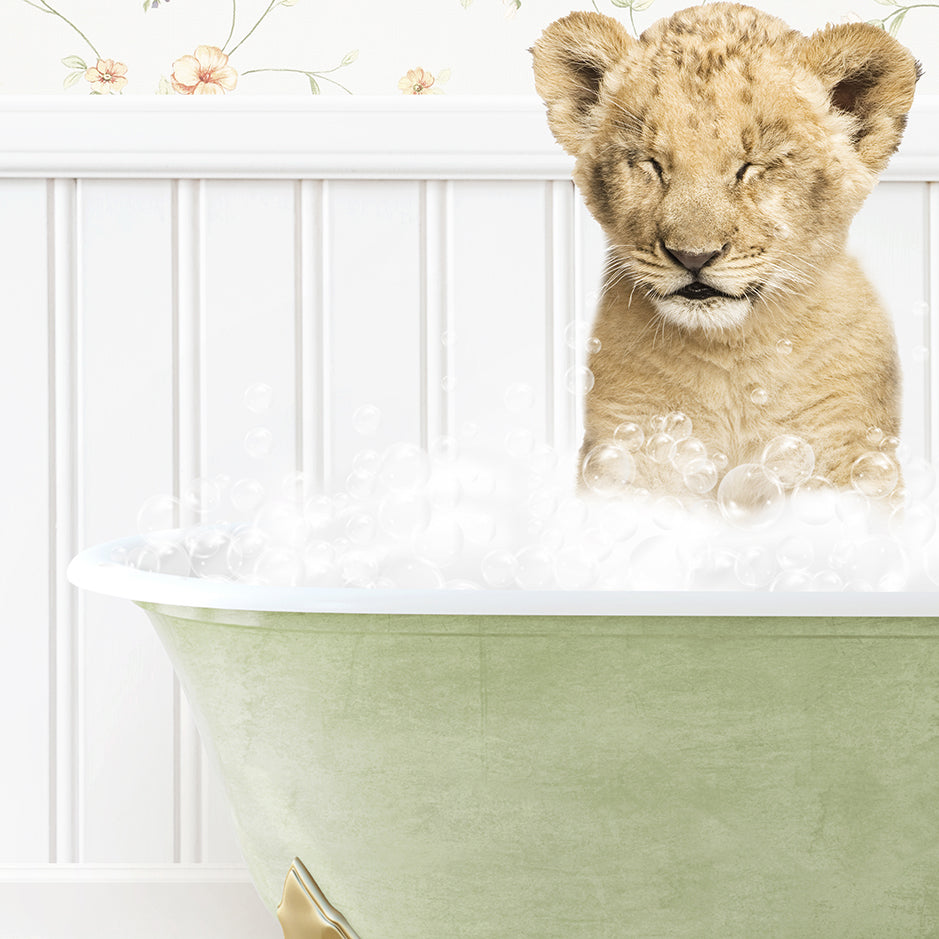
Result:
pixel 692 260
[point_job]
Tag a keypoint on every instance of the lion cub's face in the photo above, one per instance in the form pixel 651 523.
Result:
pixel 723 153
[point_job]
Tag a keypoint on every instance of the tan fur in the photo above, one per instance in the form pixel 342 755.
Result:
pixel 662 129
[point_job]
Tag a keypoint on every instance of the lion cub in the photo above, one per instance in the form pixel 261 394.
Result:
pixel 724 155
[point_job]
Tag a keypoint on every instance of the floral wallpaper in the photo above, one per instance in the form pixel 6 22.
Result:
pixel 412 47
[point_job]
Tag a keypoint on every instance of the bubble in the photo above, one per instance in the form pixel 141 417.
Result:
pixel 677 425
pixel 668 513
pixel 259 442
pixel 574 568
pixel 720 460
pixel 592 345
pixel 748 498
pixel 158 513
pixel 405 468
pixel 759 395
pixel 258 397
pixel 877 560
pixel 788 460
pixel 360 487
pixel 572 333
pixel 358 567
pixel 441 542
pixel 919 478
pixel 534 568
pixel 479 528
pixel 685 451
pixel 469 430
pixel 659 447
pixel 319 512
pixel 874 474
pixel 579 380
pixel 162 557
pixel 912 525
pixel 755 566
pixel 280 566
pixel 655 564
pixel 478 481
pixel 246 495
pixel 366 463
pixel 608 469
pixel 445 449
pixel 795 553
pixel 542 504
pixel 366 420
pixel 657 424
pixel 874 436
pixel 404 514
pixel 498 568
pixel 296 486
pixel 447 337
pixel 202 495
pixel 827 581
pixel 444 488
pixel 448 383
pixel 544 460
pixel 361 528
pixel 285 522
pixel 888 444
pixel 519 442
pixel 208 552
pixel 790 581
pixel 244 548
pixel 853 508
pixel 629 435
pixel 784 347
pixel 409 573
pixel 814 500
pixel 319 565
pixel 700 476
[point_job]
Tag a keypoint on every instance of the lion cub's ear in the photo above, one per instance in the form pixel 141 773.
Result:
pixel 870 76
pixel 571 59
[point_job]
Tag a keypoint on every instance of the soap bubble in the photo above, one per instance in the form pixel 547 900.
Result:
pixel 874 436
pixel 659 447
pixel 498 568
pixel 445 449
pixel 542 504
pixel 280 566
pixel 246 495
pixel 534 568
pixel 784 347
pixel 874 474
pixel 163 557
pixel 158 513
pixel 655 564
pixel 629 435
pixel 677 425
pixel 440 542
pixel 319 565
pixel 792 580
pixel 258 397
pixel 361 528
pixel 574 568
pixel 259 442
pixel 202 495
pixel 518 397
pixel 795 553
pixel 919 479
pixel 592 345
pixel 749 498
pixel 759 395
pixel 827 581
pixel 755 566
pixel 912 525
pixel 208 552
pixel 544 460
pixel 444 488
pixel 853 508
pixel 285 522
pixel 788 460
pixel 668 513
pixel 296 486
pixel 409 573
pixel 700 476
pixel 479 528
pixel 608 469
pixel 244 548
pixel 877 560
pixel 685 451
pixel 319 512
pixel 403 514
pixel 360 486
pixel 814 501
pixel 720 460
pixel 366 420
pixel 405 468
pixel 358 568
pixel 579 380
pixel 448 383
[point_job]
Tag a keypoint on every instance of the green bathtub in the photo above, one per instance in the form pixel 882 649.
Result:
pixel 544 773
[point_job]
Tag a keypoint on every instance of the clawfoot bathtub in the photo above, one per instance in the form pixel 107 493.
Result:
pixel 466 765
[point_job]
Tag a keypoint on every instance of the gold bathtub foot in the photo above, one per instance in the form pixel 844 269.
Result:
pixel 304 912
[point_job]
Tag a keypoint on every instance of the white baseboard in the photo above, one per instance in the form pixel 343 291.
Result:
pixel 158 902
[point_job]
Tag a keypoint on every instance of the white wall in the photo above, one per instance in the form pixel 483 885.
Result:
pixel 143 288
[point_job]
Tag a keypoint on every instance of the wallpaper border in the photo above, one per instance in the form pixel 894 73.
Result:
pixel 504 137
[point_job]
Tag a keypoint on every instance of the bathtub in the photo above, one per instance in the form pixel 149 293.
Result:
pixel 565 765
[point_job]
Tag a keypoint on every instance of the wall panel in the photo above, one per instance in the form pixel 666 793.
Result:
pixel 27 567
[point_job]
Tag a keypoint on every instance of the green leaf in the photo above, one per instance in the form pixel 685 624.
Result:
pixel 350 57
pixel 71 79
pixel 289 3
pixel 314 87
pixel 74 61
pixel 897 23
pixel 887 3
pixel 640 5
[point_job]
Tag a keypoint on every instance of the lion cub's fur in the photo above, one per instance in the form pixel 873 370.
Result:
pixel 723 132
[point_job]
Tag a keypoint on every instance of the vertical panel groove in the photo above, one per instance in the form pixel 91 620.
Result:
pixel 188 398
pixel 64 520
pixel 310 272
pixel 324 313
pixel 930 331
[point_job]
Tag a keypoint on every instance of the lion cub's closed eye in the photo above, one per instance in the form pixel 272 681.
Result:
pixel 724 155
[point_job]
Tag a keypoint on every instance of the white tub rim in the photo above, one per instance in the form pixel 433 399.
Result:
pixel 94 570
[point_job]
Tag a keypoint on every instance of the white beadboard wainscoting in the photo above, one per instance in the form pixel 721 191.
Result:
pixel 159 256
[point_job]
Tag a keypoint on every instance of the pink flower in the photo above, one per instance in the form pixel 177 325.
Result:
pixel 207 72
pixel 107 76
pixel 416 82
